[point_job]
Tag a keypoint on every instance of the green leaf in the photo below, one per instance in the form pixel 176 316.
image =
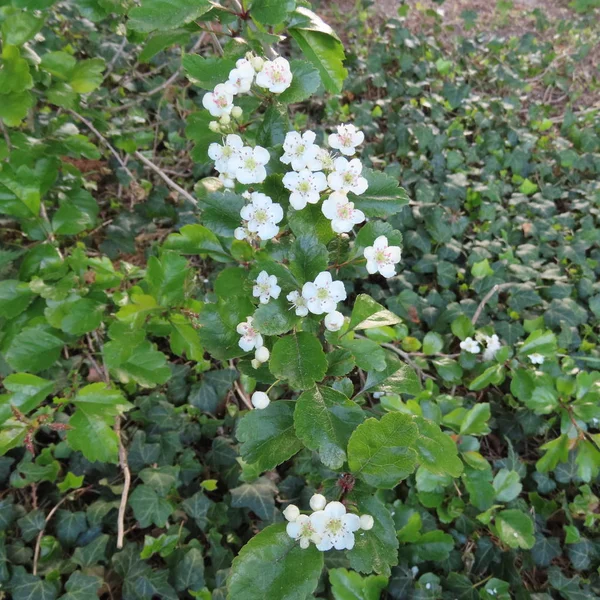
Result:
pixel 70 482
pixel 298 358
pixel 198 240
pixel 539 342
pixel 258 496
pixel 305 82
pixel 168 278
pixel 462 327
pixel 86 76
pixel 92 553
pixel 197 507
pixel 348 585
pixel 324 421
pixel 557 451
pixel 367 314
pixel 376 549
pixel 395 378
pixel 475 422
pixel 515 529
pixel 286 570
pixel 93 436
pixel 383 198
pixel 436 450
pixel 507 485
pixel 189 572
pixel 308 258
pixel 30 587
pixel 268 437
pixel 493 375
pixel 431 546
pixel 82 587
pixel 14 108
pixel 166 14
pixel 322 47
pixel 543 400
pixel 77 213
pixel 20 27
pixel 482 269
pixel 28 392
pixel 15 297
pixel 34 349
pixel 369 355
pixel 381 453
pixel 15 77
pixel 273 127
pixel 275 317
pixel 197 130
pixel 159 41
pixel 433 343
pixel 161 479
pixel 148 507
pixel 271 12
pixel 207 72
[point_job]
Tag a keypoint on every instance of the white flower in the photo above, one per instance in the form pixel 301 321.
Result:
pixel 220 101
pixel 242 76
pixel 266 287
pixel 306 187
pixel 381 257
pixel 318 502
pixel 323 294
pixel 470 345
pixel 260 400
pixel 492 344
pixel 227 179
pixel 262 354
pixel 366 522
pixel 275 75
pixel 299 303
pixel 242 233
pixel 537 359
pixel 335 526
pixel 262 215
pixel 250 337
pixel 300 151
pixel 346 139
pixel 334 321
pixel 222 155
pixel 291 513
pixel 302 531
pixel 341 212
pixel 346 176
pixel 249 164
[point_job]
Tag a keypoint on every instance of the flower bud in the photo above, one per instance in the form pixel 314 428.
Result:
pixel 260 400
pixel 236 112
pixel 257 62
pixel 214 126
pixel 291 513
pixel 225 120
pixel 334 321
pixel 255 363
pixel 318 502
pixel 262 354
pixel 366 522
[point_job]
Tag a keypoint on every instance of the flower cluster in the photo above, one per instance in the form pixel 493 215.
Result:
pixel 329 526
pixel 473 346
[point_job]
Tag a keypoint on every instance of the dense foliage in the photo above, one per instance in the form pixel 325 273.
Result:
pixel 174 421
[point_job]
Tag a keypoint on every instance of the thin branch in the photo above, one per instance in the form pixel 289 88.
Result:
pixel 408 359
pixel 38 541
pixel 127 484
pixel 166 178
pixel 115 58
pixel 486 299
pixel 241 393
pixel 6 136
pixel 91 127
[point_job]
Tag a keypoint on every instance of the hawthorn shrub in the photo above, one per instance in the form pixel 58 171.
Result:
pixel 357 360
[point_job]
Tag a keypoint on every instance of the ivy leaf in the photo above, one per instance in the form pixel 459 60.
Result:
pixel 324 421
pixel 322 47
pixel 82 587
pixel 166 14
pixel 268 436
pixel 366 314
pixel 161 479
pixel 436 450
pixel 383 198
pixel 376 549
pixel 305 82
pixel 197 507
pixel 298 358
pixel 148 507
pixel 30 587
pixel 258 496
pixel 286 570
pixel 381 453
pixel 92 553
pixel 189 572
pixel 515 529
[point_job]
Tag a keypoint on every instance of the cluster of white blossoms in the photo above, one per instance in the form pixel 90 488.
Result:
pixel 492 345
pixel 329 526
pixel 233 160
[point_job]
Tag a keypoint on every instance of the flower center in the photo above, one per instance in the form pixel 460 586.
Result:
pixel 335 526
pixel 323 294
pixel 300 150
pixel 306 530
pixel 346 139
pixel 250 164
pixel 304 187
pixel 344 211
pixel 221 101
pixel 261 216
pixel 227 152
pixel 348 177
pixel 265 289
pixel 380 256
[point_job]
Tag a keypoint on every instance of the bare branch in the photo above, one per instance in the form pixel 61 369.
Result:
pixel 486 299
